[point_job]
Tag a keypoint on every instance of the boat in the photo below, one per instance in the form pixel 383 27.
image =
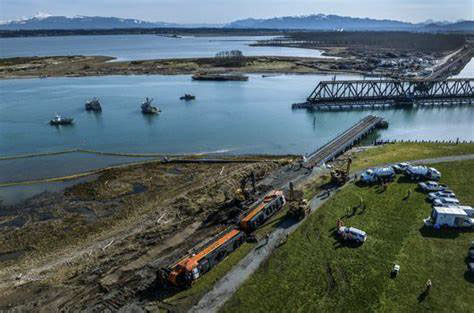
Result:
pixel 147 108
pixel 220 77
pixel 187 97
pixel 93 105
pixel 58 120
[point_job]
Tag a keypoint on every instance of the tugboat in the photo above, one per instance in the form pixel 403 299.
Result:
pixel 187 97
pixel 147 108
pixel 93 105
pixel 58 120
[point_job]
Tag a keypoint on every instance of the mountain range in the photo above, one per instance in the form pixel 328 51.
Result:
pixel 308 22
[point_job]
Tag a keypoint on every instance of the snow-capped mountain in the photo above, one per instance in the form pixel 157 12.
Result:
pixel 331 22
pixel 46 21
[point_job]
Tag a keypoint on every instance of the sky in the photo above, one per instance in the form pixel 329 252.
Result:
pixel 222 11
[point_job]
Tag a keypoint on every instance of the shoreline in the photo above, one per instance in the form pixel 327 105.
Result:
pixel 94 66
pixel 85 66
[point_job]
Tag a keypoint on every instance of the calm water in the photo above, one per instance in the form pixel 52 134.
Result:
pixel 141 47
pixel 233 117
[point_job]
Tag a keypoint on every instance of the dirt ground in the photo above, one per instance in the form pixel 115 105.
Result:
pixel 76 66
pixel 97 245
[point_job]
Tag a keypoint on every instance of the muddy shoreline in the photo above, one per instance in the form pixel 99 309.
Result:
pixel 344 61
pixel 83 66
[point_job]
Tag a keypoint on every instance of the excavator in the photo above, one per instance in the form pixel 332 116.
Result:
pixel 298 206
pixel 242 194
pixel 339 175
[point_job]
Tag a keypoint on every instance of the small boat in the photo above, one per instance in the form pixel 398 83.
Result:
pixel 93 105
pixel 147 108
pixel 187 97
pixel 58 120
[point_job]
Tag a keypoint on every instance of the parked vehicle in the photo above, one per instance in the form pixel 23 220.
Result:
pixel 448 217
pixel 468 209
pixel 400 167
pixel 377 174
pixel 441 194
pixel 470 252
pixel 446 202
pixel 422 172
pixel 353 234
pixel 470 268
pixel 432 186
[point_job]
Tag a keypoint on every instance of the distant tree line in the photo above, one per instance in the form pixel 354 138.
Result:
pixel 231 58
pixel 425 42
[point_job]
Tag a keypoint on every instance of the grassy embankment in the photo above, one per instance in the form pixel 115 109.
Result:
pixel 399 152
pixel 379 155
pixel 391 153
pixel 313 272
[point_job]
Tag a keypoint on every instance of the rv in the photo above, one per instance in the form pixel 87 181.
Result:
pixel 449 217
pixel 377 174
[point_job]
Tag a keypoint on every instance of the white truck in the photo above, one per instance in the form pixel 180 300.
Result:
pixel 422 173
pixel 377 174
pixel 353 234
pixel 449 217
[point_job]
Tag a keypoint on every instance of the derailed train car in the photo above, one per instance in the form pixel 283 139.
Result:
pixel 190 268
pixel 193 266
pixel 271 203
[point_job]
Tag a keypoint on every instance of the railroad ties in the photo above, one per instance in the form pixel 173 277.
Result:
pixel 343 141
pixel 383 94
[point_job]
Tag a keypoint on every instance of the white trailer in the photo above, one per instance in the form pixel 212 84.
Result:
pixel 449 217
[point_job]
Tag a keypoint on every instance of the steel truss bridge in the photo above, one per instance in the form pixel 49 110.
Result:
pixel 398 92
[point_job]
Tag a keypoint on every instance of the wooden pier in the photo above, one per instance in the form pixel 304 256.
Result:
pixel 343 141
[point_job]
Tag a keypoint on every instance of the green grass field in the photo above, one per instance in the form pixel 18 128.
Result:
pixel 313 272
pixel 392 153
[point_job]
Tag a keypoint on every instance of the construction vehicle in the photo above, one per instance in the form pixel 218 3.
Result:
pixel 340 176
pixel 272 202
pixel 242 194
pixel 193 266
pixel 298 206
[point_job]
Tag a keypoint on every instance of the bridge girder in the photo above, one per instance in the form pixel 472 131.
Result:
pixel 391 90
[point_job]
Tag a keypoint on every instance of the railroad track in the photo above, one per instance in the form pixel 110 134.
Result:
pixel 342 141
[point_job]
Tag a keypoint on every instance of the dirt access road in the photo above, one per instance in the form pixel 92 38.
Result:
pixel 225 287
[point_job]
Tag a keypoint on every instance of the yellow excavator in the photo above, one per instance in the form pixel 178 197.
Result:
pixel 339 175
pixel 298 206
